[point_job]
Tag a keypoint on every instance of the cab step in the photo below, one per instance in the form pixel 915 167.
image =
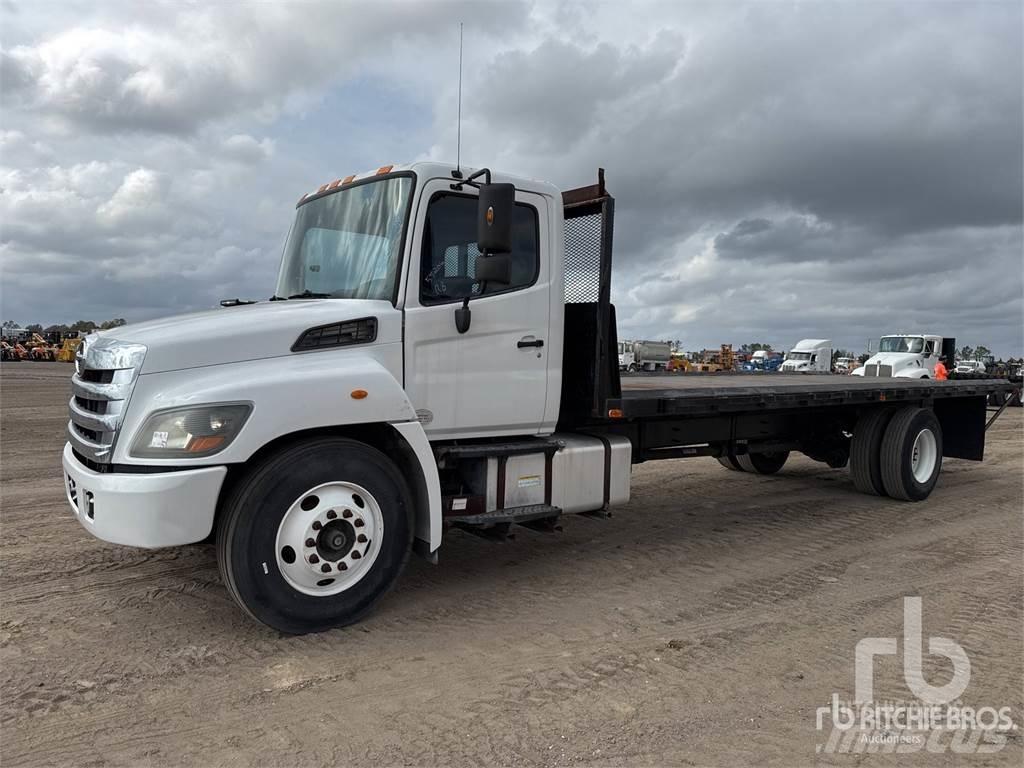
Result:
pixel 521 515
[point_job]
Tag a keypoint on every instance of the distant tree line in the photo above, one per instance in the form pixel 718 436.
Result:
pixel 80 325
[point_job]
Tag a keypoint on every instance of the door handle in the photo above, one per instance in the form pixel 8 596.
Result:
pixel 530 343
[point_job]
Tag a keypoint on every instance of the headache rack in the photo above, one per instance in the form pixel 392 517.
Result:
pixel 590 366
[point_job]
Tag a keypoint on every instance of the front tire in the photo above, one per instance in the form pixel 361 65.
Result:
pixel 911 456
pixel 315 535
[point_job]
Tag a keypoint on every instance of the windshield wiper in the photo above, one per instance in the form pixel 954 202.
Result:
pixel 308 294
pixel 275 297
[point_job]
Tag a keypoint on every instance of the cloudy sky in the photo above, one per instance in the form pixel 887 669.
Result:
pixel 781 170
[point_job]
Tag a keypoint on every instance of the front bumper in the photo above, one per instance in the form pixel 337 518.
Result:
pixel 163 509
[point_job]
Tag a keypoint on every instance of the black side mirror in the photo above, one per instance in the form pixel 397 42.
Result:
pixel 494 218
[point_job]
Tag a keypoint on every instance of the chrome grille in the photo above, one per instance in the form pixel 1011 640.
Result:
pixel 871 370
pixel 885 370
pixel 105 373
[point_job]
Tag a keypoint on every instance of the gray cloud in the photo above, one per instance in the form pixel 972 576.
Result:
pixel 838 170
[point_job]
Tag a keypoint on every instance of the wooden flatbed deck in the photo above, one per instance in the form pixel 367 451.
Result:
pixel 712 393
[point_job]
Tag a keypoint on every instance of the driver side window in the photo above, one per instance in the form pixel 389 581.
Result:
pixel 448 260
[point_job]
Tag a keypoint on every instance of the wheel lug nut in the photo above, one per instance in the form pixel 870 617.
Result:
pixel 347 514
pixel 356 555
pixel 358 523
pixel 325 568
pixel 314 559
pixel 331 515
pixel 310 542
pixel 361 538
pixel 316 525
pixel 342 567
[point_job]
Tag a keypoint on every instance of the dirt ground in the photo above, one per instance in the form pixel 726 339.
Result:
pixel 703 624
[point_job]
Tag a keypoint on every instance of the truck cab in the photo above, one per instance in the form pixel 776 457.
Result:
pixel 809 356
pixel 627 358
pixel 419 320
pixel 906 356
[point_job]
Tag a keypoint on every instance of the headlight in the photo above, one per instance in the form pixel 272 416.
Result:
pixel 190 432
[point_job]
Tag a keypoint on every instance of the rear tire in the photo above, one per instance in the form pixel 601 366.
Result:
pixel 729 462
pixel 763 463
pixel 330 488
pixel 911 455
pixel 866 451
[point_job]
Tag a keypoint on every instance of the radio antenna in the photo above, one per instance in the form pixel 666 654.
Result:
pixel 458 140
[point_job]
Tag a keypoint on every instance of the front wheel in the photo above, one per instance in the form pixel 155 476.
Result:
pixel 315 535
pixel 632 368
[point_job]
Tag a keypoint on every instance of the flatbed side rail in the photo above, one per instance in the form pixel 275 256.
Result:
pixel 712 400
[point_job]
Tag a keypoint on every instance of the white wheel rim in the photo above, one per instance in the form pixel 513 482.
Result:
pixel 329 538
pixel 924 455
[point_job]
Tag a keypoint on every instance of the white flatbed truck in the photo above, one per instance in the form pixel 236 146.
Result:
pixel 440 353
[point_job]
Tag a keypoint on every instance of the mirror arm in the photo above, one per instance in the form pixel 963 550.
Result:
pixel 463 315
pixel 485 172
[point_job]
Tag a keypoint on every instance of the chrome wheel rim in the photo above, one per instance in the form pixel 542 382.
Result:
pixel 329 538
pixel 924 455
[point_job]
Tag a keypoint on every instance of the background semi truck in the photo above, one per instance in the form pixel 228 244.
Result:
pixel 908 356
pixel 440 353
pixel 809 356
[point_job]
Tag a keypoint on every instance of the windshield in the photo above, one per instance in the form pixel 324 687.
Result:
pixel 799 355
pixel 346 245
pixel 901 344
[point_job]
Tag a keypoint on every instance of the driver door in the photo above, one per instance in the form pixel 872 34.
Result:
pixel 491 380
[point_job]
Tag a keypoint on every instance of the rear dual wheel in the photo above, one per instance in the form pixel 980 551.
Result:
pixel 897 453
pixel 314 536
pixel 757 463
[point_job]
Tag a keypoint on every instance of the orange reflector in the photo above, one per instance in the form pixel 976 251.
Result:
pixel 322 188
pixel 203 444
pixel 348 179
pixel 358 394
pixel 614 413
pixel 881 397
pixel 384 169
pixel 335 183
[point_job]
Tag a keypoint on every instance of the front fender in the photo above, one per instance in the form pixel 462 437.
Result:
pixel 292 394
pixel 289 394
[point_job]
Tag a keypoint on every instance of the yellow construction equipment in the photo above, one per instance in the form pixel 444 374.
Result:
pixel 68 350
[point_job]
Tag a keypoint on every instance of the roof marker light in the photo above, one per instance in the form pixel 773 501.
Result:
pixel 334 184
pixel 384 169
pixel 322 188
pixel 348 179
